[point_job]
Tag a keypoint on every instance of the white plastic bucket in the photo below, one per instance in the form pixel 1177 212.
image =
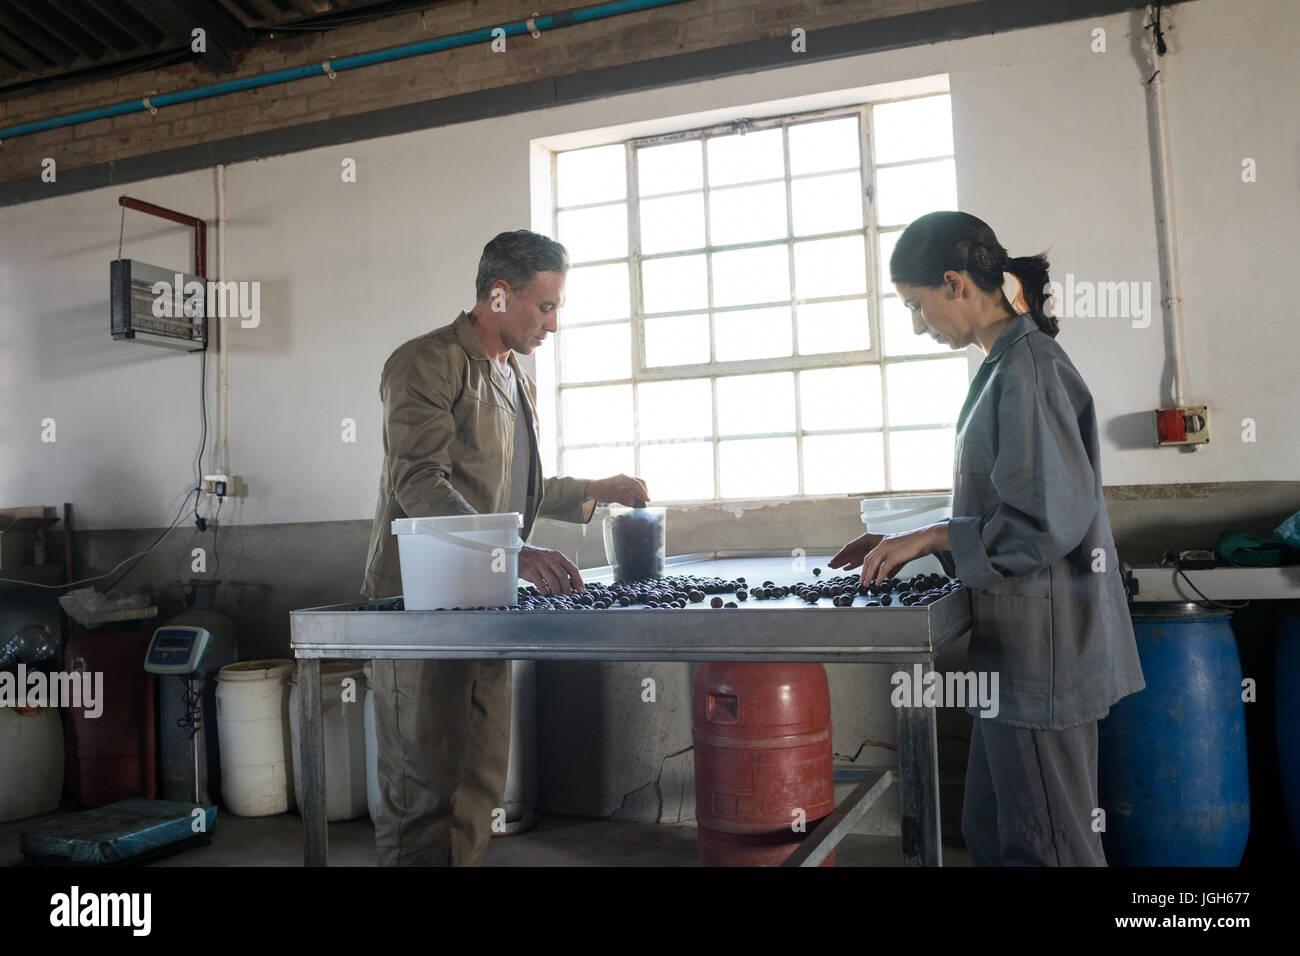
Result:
pixel 343 723
pixel 372 751
pixel 31 761
pixel 253 732
pixel 899 513
pixel 459 560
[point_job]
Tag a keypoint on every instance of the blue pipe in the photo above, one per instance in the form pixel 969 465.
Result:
pixel 551 21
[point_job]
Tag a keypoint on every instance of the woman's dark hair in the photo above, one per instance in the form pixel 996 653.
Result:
pixel 939 241
pixel 517 257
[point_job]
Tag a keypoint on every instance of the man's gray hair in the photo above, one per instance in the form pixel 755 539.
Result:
pixel 516 257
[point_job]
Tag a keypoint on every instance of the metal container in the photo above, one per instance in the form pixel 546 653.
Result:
pixel 520 803
pixel 763 760
pixel 1172 758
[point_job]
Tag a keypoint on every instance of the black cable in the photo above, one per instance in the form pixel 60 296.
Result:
pixel 216 526
pixel 1208 602
pixel 166 531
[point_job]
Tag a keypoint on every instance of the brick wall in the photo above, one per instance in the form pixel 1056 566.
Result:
pixel 687 27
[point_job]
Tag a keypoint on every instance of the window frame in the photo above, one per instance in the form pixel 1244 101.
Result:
pixel 713 370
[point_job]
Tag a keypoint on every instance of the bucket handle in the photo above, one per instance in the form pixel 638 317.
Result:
pixel 474 545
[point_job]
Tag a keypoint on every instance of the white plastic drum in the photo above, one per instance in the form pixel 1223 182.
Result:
pixel 31 761
pixel 343 720
pixel 372 752
pixel 896 514
pixel 255 741
pixel 459 560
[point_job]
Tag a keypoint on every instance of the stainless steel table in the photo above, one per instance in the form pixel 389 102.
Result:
pixel 782 630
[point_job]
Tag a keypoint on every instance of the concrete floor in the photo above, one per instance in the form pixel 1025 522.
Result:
pixel 555 841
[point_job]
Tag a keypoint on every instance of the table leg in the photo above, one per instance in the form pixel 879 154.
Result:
pixel 311 758
pixel 918 785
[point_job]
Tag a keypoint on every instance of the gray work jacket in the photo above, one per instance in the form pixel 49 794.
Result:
pixel 1030 536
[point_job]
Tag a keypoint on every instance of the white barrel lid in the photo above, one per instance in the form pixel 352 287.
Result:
pixel 904 503
pixel 271 669
pixel 334 672
pixel 506 521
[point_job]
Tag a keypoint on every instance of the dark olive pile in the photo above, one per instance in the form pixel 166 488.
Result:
pixel 681 590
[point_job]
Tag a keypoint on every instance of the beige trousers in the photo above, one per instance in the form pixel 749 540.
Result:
pixel 443 730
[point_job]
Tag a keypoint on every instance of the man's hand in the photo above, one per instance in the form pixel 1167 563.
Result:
pixel 851 555
pixel 550 571
pixel 622 489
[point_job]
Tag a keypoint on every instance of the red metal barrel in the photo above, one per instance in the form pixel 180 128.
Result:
pixel 111 757
pixel 762 753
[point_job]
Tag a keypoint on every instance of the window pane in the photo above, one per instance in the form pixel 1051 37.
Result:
pixel 544 356
pixel 596 353
pixel 843 464
pixel 743 276
pixel 676 410
pixel 746 157
pixel 595 293
pixel 753 333
pixel 675 284
pixel 678 472
pixel 921 459
pixel 840 398
pixel 599 462
pixel 833 327
pixel 827 203
pixel 913 129
pixel 747 214
pixel 591 175
pixel 598 233
pixel 672 223
pixel 825 267
pixel 928 392
pixel 905 192
pixel 829 144
pixel 669 168
pixel 600 414
pixel 900 339
pixel 678 340
pixel 887 242
pixel 752 404
pixel 758 468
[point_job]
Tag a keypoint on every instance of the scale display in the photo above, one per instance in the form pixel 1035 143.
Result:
pixel 176 650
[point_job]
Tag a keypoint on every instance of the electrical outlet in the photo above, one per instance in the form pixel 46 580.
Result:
pixel 224 486
pixel 1189 425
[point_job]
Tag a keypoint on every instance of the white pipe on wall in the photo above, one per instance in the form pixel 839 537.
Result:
pixel 223 391
pixel 1172 301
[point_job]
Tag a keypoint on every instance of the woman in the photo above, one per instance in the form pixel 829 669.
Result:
pixel 1029 536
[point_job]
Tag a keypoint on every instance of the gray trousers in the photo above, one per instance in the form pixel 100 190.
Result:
pixel 443 732
pixel 1030 796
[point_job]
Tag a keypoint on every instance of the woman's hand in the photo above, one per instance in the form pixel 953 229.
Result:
pixel 896 550
pixel 851 555
pixel 551 571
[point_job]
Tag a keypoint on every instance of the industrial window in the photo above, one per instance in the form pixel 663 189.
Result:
pixel 730 330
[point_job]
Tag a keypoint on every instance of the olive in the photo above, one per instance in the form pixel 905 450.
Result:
pixel 817 572
pixel 716 602
pixel 731 604
pixel 742 595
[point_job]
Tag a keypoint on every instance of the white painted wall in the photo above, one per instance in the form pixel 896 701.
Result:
pixel 1052 149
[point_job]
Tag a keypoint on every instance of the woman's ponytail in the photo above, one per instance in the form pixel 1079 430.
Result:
pixel 941 241
pixel 1032 273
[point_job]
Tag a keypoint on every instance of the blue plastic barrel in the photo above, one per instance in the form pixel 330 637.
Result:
pixel 1171 760
pixel 1288 717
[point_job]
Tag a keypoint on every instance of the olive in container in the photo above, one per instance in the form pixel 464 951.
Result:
pixel 635 540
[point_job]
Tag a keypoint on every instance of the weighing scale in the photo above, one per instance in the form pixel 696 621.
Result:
pixel 186 652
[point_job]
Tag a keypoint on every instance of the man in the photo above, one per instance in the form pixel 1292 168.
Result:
pixel 460 437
